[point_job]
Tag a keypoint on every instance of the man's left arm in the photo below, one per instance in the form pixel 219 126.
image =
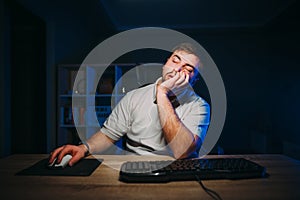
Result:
pixel 183 142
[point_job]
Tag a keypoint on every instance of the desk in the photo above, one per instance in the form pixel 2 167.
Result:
pixel 283 183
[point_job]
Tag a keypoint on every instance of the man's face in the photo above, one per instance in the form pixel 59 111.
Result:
pixel 181 61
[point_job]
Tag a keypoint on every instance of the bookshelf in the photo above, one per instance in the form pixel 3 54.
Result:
pixel 90 96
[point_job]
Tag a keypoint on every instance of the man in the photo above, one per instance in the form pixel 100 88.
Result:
pixel 166 117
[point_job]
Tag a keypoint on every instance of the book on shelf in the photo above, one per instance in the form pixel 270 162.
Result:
pixel 92 116
pixel 80 87
pixel 105 85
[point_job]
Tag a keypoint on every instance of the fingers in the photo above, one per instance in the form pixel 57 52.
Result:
pixel 182 82
pixel 176 83
pixel 187 79
pixel 76 152
pixel 181 78
pixel 75 159
pixel 55 153
pixel 172 81
pixel 67 149
pixel 175 78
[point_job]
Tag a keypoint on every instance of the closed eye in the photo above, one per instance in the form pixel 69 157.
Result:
pixel 176 59
pixel 189 68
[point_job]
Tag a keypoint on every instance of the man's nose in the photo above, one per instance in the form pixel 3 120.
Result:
pixel 178 68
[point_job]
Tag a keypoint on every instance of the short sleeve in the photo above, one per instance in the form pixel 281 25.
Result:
pixel 197 120
pixel 118 122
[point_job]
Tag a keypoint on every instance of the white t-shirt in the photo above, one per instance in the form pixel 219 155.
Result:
pixel 137 116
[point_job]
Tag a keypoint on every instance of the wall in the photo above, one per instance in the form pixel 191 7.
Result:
pixel 2 115
pixel 28 74
pixel 5 137
pixel 261 76
pixel 259 69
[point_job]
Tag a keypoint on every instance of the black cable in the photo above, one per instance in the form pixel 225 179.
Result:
pixel 210 192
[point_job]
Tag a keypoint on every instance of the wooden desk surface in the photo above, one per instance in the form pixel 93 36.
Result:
pixel 283 182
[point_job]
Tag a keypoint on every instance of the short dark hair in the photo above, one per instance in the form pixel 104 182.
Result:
pixel 189 48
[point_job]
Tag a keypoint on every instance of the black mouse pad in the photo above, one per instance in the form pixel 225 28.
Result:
pixel 84 167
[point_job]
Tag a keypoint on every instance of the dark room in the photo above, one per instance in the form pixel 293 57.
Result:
pixel 221 78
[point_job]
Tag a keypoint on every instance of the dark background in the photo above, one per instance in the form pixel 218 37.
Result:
pixel 255 45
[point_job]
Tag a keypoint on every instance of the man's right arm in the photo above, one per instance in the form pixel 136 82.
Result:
pixel 97 143
pixel 116 125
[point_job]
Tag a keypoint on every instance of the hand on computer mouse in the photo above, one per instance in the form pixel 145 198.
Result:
pixel 64 162
pixel 77 153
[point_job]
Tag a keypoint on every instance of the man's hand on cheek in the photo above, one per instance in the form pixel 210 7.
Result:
pixel 175 84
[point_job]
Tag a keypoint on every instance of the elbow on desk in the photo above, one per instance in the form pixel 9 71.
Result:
pixel 191 152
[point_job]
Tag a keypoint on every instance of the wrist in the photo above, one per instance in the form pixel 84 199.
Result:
pixel 161 89
pixel 86 147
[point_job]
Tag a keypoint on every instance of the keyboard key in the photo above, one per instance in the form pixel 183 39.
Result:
pixel 164 171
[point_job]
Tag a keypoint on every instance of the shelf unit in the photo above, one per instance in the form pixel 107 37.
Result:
pixel 89 97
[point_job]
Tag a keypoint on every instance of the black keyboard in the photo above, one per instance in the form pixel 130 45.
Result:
pixel 190 169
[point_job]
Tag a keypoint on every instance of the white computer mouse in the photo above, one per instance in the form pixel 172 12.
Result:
pixel 64 162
